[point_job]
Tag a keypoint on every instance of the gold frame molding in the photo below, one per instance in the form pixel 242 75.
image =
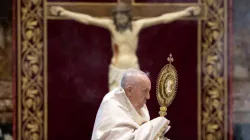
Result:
pixel 212 110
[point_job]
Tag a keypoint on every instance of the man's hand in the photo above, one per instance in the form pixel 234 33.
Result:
pixel 168 127
pixel 57 10
pixel 193 11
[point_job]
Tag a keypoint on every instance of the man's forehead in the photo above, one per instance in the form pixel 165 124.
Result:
pixel 144 79
pixel 140 76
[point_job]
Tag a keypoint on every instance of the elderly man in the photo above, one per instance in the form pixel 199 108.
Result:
pixel 123 114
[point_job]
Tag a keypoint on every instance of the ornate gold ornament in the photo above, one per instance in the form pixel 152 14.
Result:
pixel 166 86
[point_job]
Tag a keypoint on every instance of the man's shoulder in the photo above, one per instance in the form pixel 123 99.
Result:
pixel 112 95
pixel 109 96
pixel 113 98
pixel 112 106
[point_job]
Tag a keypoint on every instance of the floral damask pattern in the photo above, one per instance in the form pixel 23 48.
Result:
pixel 31 75
pixel 214 72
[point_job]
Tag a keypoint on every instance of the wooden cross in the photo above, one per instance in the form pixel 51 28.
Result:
pixel 139 10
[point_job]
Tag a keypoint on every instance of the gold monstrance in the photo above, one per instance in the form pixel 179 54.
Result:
pixel 166 86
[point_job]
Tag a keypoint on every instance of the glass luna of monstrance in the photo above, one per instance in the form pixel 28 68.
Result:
pixel 166 86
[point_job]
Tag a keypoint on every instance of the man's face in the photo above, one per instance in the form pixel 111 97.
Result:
pixel 139 93
pixel 122 19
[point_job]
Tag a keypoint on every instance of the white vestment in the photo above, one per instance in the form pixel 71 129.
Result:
pixel 117 119
pixel 115 75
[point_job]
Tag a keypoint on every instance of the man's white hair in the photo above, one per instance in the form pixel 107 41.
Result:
pixel 129 77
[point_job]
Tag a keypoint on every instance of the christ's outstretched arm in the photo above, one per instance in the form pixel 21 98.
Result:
pixel 167 18
pixel 83 18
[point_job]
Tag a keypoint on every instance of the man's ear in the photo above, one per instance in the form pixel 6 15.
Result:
pixel 129 90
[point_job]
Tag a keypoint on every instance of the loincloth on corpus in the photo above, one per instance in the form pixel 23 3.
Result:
pixel 115 75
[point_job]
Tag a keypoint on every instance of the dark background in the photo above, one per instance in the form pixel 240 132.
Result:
pixel 78 61
pixel 5 53
pixel 241 57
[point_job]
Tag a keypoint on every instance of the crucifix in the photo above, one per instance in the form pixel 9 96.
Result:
pixel 118 20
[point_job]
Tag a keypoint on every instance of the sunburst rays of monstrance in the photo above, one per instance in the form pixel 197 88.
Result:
pixel 166 86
